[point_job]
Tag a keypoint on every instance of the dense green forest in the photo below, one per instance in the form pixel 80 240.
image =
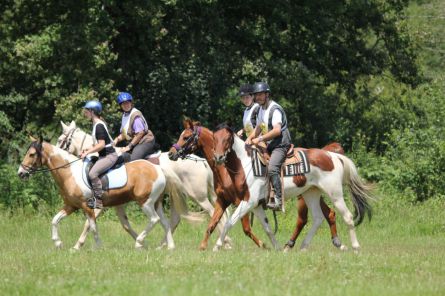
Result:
pixel 367 73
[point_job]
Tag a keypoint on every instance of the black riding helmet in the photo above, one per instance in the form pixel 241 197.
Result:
pixel 260 87
pixel 245 89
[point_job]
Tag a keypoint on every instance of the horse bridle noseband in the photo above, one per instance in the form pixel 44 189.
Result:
pixel 190 144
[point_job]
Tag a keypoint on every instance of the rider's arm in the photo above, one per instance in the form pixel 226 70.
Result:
pixel 136 139
pixel 118 139
pixel 96 148
pixel 253 135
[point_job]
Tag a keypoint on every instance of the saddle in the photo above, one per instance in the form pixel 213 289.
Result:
pixel 115 177
pixel 296 162
pixel 154 157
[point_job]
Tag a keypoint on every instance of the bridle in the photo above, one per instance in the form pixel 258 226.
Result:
pixel 34 168
pixel 66 143
pixel 190 144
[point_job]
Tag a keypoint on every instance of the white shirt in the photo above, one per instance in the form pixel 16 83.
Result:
pixel 247 123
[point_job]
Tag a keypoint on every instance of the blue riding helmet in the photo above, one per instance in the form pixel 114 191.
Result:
pixel 96 106
pixel 124 97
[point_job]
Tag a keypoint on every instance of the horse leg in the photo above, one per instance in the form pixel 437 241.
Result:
pixel 153 218
pixel 91 217
pixel 64 212
pixel 312 199
pixel 166 225
pixel 207 206
pixel 81 241
pixel 329 214
pixel 220 207
pixel 301 222
pixel 261 215
pixel 340 205
pixel 240 213
pixel 120 211
pixel 175 218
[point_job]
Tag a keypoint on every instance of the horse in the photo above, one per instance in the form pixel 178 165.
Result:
pixel 244 195
pixel 329 171
pixel 190 177
pixel 145 183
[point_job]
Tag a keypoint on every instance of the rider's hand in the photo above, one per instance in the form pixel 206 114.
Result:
pixel 255 141
pixel 240 133
pixel 83 154
pixel 125 149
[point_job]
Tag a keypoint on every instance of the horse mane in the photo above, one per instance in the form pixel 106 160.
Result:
pixel 224 125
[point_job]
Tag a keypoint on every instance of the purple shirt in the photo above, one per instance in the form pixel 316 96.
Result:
pixel 138 125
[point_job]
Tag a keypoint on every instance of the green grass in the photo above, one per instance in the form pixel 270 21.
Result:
pixel 402 253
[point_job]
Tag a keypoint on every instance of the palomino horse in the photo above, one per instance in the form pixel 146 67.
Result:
pixel 145 184
pixel 190 177
pixel 229 190
pixel 329 171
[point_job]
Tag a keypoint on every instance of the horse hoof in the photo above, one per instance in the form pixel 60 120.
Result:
pixel 171 248
pixel 216 248
pixel 343 248
pixel 139 246
pixel 356 250
pixel 202 247
pixel 58 244
pixel 227 246
pixel 74 250
pixel 287 249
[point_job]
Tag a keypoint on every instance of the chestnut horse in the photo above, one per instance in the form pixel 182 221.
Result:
pixel 145 184
pixel 329 171
pixel 187 178
pixel 245 195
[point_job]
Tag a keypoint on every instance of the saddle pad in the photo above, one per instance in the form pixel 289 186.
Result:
pixel 113 179
pixel 258 167
pixel 299 168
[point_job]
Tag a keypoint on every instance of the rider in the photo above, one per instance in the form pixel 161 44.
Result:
pixel 251 111
pixel 102 144
pixel 272 129
pixel 134 130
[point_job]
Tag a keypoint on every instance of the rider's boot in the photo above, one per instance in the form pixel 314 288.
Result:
pixel 276 184
pixel 95 202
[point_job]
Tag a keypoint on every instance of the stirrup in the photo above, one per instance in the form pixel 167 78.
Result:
pixel 94 203
pixel 274 206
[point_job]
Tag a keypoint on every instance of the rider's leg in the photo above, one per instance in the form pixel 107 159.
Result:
pixel 142 150
pixel 100 167
pixel 274 171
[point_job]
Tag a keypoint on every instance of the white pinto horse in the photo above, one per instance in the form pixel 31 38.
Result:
pixel 329 171
pixel 144 184
pixel 190 177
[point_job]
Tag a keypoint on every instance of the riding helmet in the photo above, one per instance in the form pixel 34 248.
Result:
pixel 124 97
pixel 261 87
pixel 96 106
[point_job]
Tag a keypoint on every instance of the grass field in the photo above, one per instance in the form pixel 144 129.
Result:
pixel 403 253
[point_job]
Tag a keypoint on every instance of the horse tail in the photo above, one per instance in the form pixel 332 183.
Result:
pixel 360 192
pixel 178 200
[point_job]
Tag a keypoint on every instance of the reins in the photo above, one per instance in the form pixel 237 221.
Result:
pixel 31 170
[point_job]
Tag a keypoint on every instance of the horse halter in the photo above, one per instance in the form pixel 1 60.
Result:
pixel 190 144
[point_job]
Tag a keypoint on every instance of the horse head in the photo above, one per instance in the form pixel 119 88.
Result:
pixel 32 160
pixel 223 138
pixel 73 139
pixel 188 141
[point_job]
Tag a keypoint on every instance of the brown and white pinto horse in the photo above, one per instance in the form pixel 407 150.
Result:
pixel 145 184
pixel 329 171
pixel 229 190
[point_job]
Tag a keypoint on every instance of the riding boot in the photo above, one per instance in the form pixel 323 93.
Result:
pixel 276 184
pixel 95 202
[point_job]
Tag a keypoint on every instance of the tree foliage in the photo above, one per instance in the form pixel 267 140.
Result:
pixel 343 70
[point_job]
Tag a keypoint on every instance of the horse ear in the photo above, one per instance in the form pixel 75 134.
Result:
pixel 72 124
pixel 32 138
pixel 41 139
pixel 187 122
pixel 197 123
pixel 64 126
